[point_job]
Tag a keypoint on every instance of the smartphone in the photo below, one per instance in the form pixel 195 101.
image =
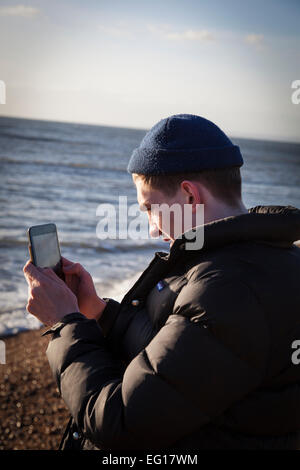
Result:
pixel 44 248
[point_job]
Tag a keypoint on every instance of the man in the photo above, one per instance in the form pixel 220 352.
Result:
pixel 198 355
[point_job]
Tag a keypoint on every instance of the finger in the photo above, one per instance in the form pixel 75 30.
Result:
pixel 27 265
pixel 50 273
pixel 75 268
pixel 66 262
pixel 31 272
pixel 29 292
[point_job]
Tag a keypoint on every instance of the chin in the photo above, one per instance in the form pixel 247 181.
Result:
pixel 168 240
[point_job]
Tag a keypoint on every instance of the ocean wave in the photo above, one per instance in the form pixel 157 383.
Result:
pixel 106 246
pixel 35 138
pixel 17 319
pixel 62 164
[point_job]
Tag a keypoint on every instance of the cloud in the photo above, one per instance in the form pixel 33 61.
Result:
pixel 160 29
pixel 192 35
pixel 117 31
pixel 19 10
pixel 255 39
pixel 164 30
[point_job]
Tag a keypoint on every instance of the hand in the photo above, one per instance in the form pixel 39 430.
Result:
pixel 49 298
pixel 82 285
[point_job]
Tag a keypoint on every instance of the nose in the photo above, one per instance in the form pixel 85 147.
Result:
pixel 154 231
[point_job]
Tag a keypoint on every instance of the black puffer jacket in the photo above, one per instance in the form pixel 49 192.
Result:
pixel 201 360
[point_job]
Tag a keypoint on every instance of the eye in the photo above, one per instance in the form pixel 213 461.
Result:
pixel 144 208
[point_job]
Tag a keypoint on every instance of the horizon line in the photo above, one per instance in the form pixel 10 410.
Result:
pixel 259 138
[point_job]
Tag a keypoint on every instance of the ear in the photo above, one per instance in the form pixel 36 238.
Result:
pixel 135 177
pixel 192 193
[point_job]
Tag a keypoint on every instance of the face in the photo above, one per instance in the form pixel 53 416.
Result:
pixel 164 224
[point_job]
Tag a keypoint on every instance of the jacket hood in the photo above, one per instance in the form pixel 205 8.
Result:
pixel 275 225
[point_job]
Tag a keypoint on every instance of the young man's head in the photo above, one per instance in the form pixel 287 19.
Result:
pixel 186 160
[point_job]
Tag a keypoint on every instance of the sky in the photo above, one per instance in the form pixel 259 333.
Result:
pixel 131 63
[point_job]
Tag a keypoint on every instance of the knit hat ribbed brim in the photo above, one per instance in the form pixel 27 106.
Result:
pixel 183 143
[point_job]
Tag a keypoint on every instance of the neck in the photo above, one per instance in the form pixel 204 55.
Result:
pixel 221 211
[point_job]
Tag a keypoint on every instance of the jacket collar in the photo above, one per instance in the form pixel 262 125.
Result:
pixel 274 225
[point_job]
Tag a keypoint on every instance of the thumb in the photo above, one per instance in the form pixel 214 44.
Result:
pixel 75 268
pixel 66 262
pixel 50 273
pixel 31 272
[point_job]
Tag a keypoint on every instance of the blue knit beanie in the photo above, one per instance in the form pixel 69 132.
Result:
pixel 183 143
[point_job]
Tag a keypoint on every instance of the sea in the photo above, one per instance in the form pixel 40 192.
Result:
pixel 63 172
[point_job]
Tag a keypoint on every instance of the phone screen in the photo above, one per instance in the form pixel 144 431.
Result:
pixel 46 250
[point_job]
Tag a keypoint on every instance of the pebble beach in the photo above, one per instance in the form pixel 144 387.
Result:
pixel 32 414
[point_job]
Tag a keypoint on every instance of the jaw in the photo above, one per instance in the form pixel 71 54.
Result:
pixel 168 240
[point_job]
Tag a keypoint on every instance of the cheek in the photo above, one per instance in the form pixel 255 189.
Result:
pixel 164 223
pixel 172 226
pixel 153 220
